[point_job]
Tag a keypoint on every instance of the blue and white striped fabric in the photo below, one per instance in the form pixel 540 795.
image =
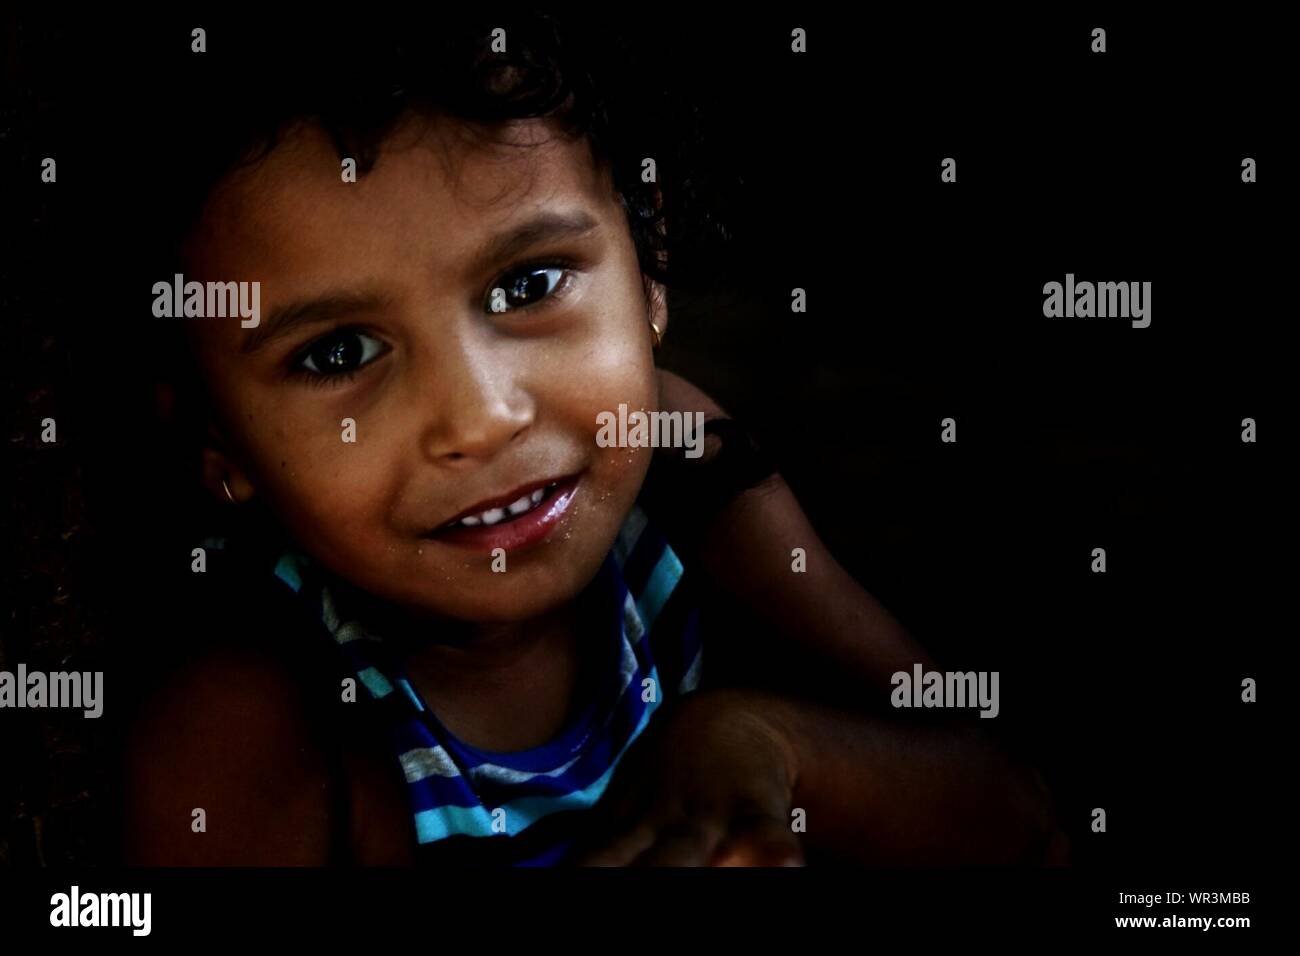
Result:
pixel 520 808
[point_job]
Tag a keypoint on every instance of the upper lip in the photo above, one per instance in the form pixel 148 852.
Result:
pixel 502 500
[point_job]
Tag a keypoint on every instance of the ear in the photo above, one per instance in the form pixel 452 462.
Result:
pixel 656 294
pixel 218 465
pixel 658 304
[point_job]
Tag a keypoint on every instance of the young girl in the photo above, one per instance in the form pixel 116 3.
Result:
pixel 457 628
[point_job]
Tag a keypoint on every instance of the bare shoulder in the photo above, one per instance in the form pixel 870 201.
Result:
pixel 222 768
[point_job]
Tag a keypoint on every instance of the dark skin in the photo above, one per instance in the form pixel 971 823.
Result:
pixel 717 786
pixel 453 404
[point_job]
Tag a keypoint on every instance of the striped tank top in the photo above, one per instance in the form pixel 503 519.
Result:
pixel 476 807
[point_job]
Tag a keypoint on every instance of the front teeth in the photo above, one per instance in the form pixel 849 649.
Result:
pixel 493 515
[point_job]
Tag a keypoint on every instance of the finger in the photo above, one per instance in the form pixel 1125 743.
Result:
pixel 618 828
pixel 622 825
pixel 621 804
pixel 622 849
pixel 626 801
pixel 688 844
pixel 766 841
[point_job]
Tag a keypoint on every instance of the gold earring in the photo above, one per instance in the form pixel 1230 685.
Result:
pixel 226 488
pixel 657 334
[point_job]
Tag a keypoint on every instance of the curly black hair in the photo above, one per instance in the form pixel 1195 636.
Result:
pixel 356 80
pixel 590 79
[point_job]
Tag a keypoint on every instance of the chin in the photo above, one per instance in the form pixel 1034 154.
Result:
pixel 495 610
pixel 491 598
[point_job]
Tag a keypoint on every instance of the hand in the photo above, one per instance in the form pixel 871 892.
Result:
pixel 712 786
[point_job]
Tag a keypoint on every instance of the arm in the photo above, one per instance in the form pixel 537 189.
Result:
pixel 887 791
pixel 227 736
pixel 878 788
pixel 725 778
pixel 746 550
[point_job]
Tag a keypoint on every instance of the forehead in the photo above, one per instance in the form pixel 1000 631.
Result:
pixel 436 192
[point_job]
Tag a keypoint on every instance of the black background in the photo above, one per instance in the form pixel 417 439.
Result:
pixel 924 302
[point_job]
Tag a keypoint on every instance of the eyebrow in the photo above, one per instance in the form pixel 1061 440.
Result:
pixel 545 227
pixel 328 308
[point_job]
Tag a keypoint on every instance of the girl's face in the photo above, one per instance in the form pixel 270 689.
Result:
pixel 463 311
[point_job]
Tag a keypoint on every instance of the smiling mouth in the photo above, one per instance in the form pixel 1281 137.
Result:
pixel 516 519
pixel 516 509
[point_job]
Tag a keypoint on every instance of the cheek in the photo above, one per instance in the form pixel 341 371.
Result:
pixel 329 492
pixel 617 472
pixel 614 366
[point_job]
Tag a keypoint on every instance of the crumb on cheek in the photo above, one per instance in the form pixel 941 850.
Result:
pixel 623 470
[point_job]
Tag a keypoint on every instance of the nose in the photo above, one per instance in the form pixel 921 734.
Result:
pixel 477 405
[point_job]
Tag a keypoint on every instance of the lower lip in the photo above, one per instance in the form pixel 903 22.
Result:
pixel 527 529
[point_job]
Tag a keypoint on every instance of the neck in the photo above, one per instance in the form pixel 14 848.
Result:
pixel 508 686
pixel 476 650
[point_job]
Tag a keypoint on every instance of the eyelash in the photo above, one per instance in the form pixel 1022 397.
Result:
pixel 319 380
pixel 325 380
pixel 566 267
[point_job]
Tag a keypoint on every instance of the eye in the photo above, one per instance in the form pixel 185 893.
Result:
pixel 339 353
pixel 525 286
